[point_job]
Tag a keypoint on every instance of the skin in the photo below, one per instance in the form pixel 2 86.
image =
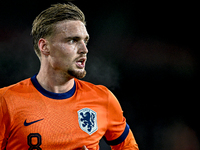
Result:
pixel 84 148
pixel 63 56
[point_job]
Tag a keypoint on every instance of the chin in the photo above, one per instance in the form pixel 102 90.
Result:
pixel 77 73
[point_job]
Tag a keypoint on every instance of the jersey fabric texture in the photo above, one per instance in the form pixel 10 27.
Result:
pixel 32 118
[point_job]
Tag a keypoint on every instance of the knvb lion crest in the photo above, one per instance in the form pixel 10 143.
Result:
pixel 87 119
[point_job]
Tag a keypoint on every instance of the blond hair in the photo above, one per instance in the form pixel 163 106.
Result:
pixel 44 23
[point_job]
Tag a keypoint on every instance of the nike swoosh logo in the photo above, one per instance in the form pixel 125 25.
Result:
pixel 30 123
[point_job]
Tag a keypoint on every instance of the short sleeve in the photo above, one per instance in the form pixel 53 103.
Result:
pixel 117 129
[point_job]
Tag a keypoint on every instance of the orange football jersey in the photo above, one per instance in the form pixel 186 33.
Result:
pixel 32 118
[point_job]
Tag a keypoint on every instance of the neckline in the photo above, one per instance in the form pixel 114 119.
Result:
pixel 58 96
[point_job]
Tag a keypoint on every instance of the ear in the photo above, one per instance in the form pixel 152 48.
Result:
pixel 43 46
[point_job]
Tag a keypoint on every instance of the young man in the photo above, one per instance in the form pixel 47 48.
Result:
pixel 54 110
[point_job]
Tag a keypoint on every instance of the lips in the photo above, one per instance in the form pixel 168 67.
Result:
pixel 80 63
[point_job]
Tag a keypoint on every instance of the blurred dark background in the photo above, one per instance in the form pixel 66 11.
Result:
pixel 145 52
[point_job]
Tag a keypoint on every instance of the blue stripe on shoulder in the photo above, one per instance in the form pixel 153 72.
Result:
pixel 119 139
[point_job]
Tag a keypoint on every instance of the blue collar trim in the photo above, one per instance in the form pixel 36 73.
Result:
pixel 52 95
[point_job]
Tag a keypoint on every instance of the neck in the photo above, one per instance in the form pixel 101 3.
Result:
pixel 55 81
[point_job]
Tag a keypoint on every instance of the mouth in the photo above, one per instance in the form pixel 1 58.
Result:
pixel 80 63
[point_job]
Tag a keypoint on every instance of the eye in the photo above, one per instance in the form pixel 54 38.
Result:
pixel 86 41
pixel 72 41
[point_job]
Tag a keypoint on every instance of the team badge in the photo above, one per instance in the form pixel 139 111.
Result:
pixel 87 119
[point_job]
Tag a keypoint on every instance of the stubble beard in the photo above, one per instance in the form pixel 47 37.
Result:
pixel 79 74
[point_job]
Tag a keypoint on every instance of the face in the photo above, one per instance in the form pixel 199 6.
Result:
pixel 67 47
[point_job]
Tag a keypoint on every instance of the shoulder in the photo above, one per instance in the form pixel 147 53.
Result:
pixel 99 91
pixel 15 88
pixel 87 86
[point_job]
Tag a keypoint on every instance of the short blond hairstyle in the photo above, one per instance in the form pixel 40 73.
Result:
pixel 44 23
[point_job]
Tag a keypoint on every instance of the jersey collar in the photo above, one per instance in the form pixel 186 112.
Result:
pixel 52 95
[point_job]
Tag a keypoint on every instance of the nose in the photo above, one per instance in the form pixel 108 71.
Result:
pixel 82 48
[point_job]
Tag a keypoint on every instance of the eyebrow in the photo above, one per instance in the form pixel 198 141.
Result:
pixel 77 37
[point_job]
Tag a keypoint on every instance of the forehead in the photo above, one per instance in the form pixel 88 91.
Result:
pixel 71 28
